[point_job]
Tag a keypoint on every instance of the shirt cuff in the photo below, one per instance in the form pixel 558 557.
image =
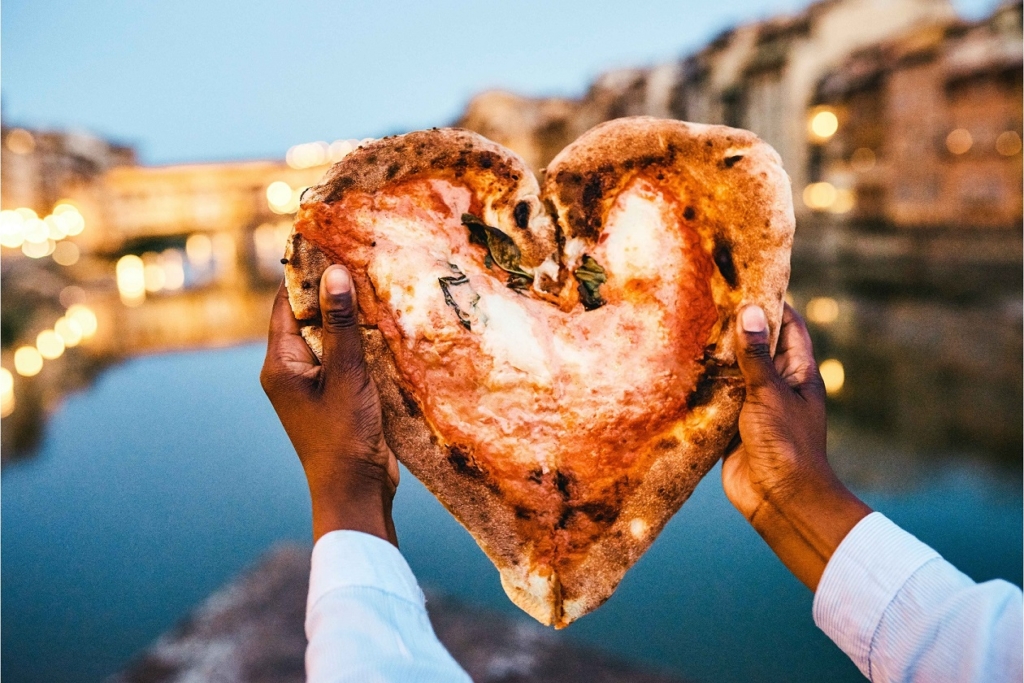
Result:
pixel 861 579
pixel 344 559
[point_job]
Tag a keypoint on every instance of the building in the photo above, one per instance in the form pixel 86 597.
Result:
pixel 927 128
pixel 759 76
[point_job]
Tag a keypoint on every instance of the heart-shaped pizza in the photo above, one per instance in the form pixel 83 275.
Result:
pixel 555 363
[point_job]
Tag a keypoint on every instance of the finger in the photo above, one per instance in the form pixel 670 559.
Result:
pixel 285 345
pixel 754 352
pixel 343 347
pixel 794 355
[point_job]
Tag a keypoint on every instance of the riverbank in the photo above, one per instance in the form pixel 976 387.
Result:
pixel 251 631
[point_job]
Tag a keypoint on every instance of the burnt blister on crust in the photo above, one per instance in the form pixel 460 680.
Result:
pixel 723 259
pixel 521 214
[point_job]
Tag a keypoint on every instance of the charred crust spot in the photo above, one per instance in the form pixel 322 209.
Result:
pixel 689 213
pixel 732 161
pixel 536 476
pixel 372 158
pixel 524 512
pixel 393 170
pixel 702 393
pixel 602 513
pixel 412 409
pixel 522 215
pixel 338 188
pixel 709 143
pixel 723 259
pixel 693 466
pixel 463 464
pixel 306 284
pixel 284 261
pixel 562 483
pixel 660 176
pixel 563 519
pixel 669 443
pixel 373 243
pixel 628 164
pixel 486 160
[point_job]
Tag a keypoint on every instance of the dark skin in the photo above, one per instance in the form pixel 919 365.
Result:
pixel 778 477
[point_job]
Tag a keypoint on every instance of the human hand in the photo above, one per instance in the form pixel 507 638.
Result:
pixel 331 412
pixel 778 477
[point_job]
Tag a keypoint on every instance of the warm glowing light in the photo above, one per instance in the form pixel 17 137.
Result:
pixel 843 203
pixel 54 228
pixel 1008 143
pixel 199 250
pixel 131 280
pixel 862 160
pixel 154 277
pixel 69 330
pixel 174 269
pixel 340 149
pixel 833 374
pixel 959 141
pixel 224 254
pixel 66 253
pixel 69 219
pixel 12 229
pixel 26 213
pixel 823 124
pixel 27 361
pixel 86 319
pixel 789 299
pixel 38 249
pixel 279 196
pixel 819 196
pixel 6 392
pixel 50 344
pixel 311 154
pixel 36 231
pixel 20 141
pixel 822 310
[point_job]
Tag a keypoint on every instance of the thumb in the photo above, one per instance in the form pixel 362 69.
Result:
pixel 753 350
pixel 343 348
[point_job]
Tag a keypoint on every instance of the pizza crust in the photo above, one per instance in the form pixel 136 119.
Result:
pixel 709 168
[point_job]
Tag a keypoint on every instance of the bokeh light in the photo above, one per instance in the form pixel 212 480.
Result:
pixel 66 253
pixel 833 374
pixel 6 392
pixel 85 318
pixel 69 330
pixel 823 124
pixel 959 141
pixel 50 344
pixel 27 361
pixel 819 196
pixel 822 310
pixel 20 141
pixel 131 280
pixel 1008 143
pixel 199 250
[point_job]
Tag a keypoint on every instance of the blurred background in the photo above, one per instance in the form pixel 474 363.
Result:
pixel 152 158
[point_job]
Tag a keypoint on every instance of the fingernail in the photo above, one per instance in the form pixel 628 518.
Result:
pixel 753 320
pixel 338 281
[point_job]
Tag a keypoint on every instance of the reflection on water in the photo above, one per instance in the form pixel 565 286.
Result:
pixel 171 473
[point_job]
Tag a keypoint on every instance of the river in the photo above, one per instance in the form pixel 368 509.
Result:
pixel 170 474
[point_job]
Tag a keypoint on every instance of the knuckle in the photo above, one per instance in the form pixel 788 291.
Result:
pixel 340 319
pixel 758 351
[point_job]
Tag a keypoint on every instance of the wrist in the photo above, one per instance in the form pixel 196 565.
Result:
pixel 805 522
pixel 353 503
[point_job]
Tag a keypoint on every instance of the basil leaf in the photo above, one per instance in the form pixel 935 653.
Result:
pixel 447 285
pixel 501 250
pixel 591 276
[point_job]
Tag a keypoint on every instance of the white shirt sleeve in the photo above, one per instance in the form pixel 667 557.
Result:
pixel 366 618
pixel 902 613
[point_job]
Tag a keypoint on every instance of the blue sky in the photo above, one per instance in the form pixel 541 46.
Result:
pixel 191 80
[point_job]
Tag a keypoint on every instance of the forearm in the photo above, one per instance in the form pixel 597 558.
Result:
pixel 804 526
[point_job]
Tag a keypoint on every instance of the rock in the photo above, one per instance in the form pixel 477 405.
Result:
pixel 251 631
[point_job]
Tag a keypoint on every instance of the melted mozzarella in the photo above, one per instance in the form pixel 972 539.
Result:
pixel 509 337
pixel 634 247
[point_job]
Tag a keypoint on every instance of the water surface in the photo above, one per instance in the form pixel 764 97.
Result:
pixel 171 474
